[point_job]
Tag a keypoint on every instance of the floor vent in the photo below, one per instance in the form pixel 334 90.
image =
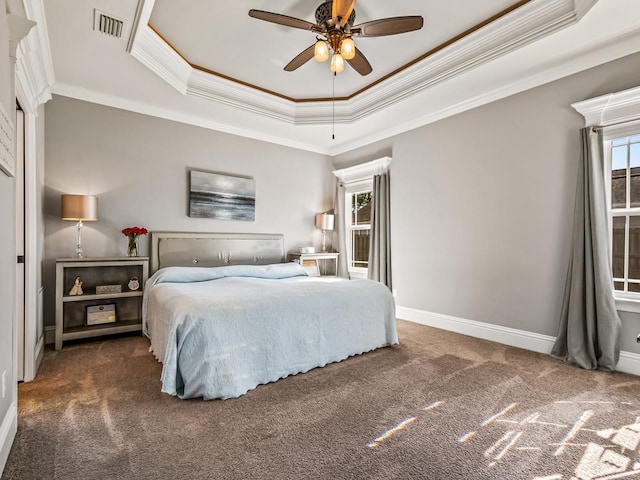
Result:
pixel 108 24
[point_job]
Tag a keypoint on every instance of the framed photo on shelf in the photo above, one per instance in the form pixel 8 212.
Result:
pixel 100 314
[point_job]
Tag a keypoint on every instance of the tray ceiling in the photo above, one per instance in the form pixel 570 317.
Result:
pixel 468 53
pixel 220 37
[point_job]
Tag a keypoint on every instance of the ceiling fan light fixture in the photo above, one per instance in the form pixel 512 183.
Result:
pixel 337 63
pixel 334 29
pixel 321 51
pixel 348 48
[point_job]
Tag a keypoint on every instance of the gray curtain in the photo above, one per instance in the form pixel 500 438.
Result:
pixel 339 230
pixel 589 334
pixel 380 247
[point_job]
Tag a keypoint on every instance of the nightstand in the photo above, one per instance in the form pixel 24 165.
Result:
pixel 111 301
pixel 317 263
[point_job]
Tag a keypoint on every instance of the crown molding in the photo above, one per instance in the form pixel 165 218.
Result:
pixel 616 107
pixel 526 24
pixel 227 92
pixel 155 54
pixel 614 47
pixel 610 48
pixel 34 65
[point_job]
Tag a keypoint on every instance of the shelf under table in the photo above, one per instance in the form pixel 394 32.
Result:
pixel 88 331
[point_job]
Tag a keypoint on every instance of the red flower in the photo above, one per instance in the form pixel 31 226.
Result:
pixel 134 231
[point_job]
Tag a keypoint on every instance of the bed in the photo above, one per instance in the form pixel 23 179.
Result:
pixel 224 314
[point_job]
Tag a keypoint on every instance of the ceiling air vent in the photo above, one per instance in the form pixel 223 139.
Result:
pixel 108 24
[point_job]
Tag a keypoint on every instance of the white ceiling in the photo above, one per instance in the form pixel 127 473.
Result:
pixel 226 40
pixel 537 42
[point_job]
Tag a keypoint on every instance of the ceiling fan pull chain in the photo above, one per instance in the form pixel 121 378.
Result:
pixel 333 115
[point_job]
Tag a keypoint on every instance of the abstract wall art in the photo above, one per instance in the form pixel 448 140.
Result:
pixel 224 197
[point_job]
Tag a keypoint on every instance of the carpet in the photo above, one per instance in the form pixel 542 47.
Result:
pixel 438 406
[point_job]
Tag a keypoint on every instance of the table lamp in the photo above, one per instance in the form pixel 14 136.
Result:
pixel 79 208
pixel 324 221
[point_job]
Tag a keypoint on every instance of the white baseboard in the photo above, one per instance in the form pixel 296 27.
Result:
pixel 49 334
pixel 629 362
pixel 8 430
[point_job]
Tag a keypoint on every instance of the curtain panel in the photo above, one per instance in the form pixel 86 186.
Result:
pixel 589 333
pixel 380 246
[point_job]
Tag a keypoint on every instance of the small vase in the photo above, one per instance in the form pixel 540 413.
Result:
pixel 132 248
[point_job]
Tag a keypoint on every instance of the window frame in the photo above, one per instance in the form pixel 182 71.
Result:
pixel 625 300
pixel 351 189
pixel 358 177
pixel 618 113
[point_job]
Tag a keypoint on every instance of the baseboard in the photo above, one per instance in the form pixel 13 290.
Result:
pixel 496 333
pixel 49 334
pixel 629 362
pixel 8 430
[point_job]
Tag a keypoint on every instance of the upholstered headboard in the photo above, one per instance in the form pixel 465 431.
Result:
pixel 171 249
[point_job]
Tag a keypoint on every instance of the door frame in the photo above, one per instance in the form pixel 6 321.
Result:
pixel 33 346
pixel 20 240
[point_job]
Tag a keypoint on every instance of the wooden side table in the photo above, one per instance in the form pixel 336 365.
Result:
pixel 108 285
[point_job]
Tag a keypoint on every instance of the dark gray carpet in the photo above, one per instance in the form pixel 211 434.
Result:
pixel 438 406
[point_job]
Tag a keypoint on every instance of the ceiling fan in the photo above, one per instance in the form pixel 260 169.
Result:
pixel 335 31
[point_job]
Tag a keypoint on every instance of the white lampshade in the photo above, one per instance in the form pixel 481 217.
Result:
pixel 321 51
pixel 337 63
pixel 348 48
pixel 324 221
pixel 79 208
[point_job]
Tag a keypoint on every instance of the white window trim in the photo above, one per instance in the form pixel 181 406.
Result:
pixel 357 187
pixel 613 133
pixel 358 178
pixel 363 171
pixel 619 115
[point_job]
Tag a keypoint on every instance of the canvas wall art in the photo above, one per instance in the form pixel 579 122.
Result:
pixel 222 196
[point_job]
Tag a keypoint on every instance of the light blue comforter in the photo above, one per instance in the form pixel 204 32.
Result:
pixel 221 332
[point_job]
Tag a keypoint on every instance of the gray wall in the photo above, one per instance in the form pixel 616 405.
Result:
pixel 7 243
pixel 138 167
pixel 482 204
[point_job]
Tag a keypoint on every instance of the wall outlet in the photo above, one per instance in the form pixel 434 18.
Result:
pixel 4 383
pixel 395 295
pixel 638 338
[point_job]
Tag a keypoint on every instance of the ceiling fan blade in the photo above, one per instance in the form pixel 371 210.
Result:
pixel 302 58
pixel 334 12
pixel 388 26
pixel 284 20
pixel 346 13
pixel 360 63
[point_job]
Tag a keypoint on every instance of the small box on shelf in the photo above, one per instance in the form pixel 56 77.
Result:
pixel 100 314
pixel 107 289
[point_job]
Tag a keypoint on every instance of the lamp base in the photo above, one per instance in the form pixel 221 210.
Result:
pixel 79 252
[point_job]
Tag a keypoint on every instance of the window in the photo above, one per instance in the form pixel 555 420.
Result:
pixel 358 181
pixel 619 113
pixel 624 202
pixel 359 228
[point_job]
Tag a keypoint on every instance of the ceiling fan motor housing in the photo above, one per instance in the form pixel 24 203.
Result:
pixel 323 15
